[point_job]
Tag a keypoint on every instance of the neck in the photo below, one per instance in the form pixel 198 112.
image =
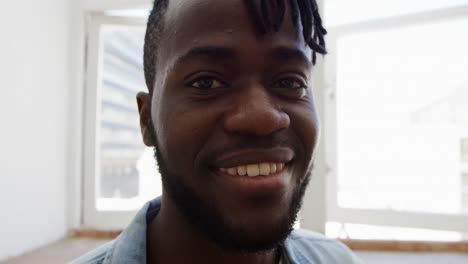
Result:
pixel 171 239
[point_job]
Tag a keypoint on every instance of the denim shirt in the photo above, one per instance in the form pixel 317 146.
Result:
pixel 301 247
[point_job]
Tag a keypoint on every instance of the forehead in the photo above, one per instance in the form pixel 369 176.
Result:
pixel 205 14
pixel 193 23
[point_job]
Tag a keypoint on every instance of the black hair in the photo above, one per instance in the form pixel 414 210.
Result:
pixel 267 16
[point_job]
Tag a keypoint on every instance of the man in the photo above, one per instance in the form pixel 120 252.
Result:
pixel 231 116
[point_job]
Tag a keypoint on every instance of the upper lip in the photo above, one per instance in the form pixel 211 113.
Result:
pixel 253 156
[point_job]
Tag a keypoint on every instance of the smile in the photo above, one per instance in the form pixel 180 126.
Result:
pixel 254 170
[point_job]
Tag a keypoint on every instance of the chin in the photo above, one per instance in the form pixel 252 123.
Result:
pixel 256 238
pixel 259 225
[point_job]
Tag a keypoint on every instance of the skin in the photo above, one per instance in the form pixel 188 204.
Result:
pixel 241 104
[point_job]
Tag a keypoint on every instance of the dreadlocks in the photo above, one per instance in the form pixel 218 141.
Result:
pixel 267 17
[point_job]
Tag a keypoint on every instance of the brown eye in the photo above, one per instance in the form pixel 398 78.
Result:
pixel 290 87
pixel 207 83
pixel 290 83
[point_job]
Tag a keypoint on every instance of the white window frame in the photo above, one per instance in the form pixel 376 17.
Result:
pixel 92 218
pixel 457 223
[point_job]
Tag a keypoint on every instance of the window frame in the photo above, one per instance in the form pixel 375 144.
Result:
pixel 91 217
pixel 457 223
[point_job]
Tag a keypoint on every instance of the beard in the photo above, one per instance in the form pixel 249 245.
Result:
pixel 206 218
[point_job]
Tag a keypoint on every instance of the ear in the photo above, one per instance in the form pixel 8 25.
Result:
pixel 144 109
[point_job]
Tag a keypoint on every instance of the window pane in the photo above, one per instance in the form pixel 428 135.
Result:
pixel 402 102
pixel 142 12
pixel 358 231
pixel 339 12
pixel 464 168
pixel 127 176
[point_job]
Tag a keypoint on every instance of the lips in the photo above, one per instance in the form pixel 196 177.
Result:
pixel 254 171
pixel 254 157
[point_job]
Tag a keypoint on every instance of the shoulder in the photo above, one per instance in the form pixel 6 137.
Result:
pixel 96 256
pixel 304 246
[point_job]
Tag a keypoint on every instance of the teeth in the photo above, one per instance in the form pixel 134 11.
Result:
pixel 272 167
pixel 264 168
pixel 279 166
pixel 242 170
pixel 252 170
pixel 232 171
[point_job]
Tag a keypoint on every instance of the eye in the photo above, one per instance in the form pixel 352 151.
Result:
pixel 290 83
pixel 290 87
pixel 207 82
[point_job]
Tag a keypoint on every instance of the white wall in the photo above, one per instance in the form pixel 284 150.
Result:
pixel 101 5
pixel 34 89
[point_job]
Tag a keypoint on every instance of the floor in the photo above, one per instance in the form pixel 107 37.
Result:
pixel 68 249
pixel 58 253
pixel 412 258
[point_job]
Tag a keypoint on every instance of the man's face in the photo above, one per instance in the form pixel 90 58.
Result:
pixel 229 102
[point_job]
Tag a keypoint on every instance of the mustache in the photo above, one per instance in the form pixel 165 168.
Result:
pixel 254 142
pixel 241 142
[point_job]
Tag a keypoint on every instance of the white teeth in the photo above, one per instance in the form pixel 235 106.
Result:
pixel 232 171
pixel 253 170
pixel 272 167
pixel 264 168
pixel 242 170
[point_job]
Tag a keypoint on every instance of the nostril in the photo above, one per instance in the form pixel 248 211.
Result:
pixel 256 121
pixel 254 111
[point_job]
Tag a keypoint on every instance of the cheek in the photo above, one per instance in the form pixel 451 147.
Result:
pixel 182 135
pixel 306 126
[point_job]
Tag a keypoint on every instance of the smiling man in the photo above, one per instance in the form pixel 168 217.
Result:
pixel 231 116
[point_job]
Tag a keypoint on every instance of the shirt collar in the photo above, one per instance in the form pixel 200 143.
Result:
pixel 130 245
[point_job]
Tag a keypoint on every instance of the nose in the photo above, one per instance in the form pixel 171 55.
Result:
pixel 253 112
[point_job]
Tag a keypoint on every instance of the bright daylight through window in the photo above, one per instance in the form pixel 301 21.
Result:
pixel 127 176
pixel 401 118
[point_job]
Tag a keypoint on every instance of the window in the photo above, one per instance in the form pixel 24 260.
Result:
pixel 464 173
pixel 396 114
pixel 120 172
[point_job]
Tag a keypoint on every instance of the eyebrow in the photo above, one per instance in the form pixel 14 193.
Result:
pixel 287 54
pixel 224 53
pixel 211 52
